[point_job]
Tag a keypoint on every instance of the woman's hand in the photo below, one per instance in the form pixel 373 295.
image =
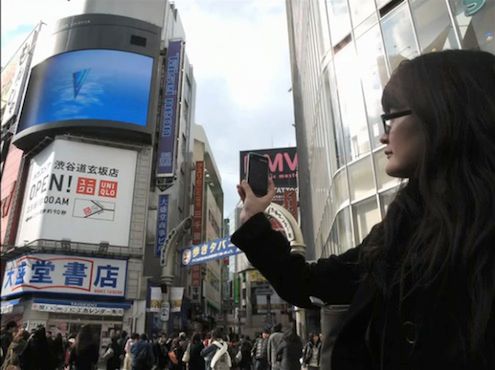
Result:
pixel 252 203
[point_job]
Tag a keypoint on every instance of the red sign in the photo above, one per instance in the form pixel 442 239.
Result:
pixel 197 229
pixel 85 185
pixel 108 189
pixel 290 202
pixel 196 275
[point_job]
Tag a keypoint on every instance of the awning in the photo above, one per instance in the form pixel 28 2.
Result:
pixel 8 306
pixel 80 307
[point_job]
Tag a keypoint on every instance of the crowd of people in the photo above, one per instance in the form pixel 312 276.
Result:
pixel 272 349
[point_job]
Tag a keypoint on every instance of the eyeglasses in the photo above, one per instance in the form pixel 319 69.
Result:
pixel 388 117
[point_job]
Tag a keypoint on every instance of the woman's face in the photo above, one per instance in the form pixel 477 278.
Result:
pixel 403 143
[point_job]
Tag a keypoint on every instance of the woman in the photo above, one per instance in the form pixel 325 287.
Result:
pixel 311 354
pixel 196 361
pixel 290 350
pixel 421 285
pixel 16 347
pixel 127 349
pixel 84 354
pixel 113 350
pixel 38 355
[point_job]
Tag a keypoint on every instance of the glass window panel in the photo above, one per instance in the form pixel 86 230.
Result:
pixel 433 26
pixel 333 240
pixel 340 189
pixel 398 36
pixel 360 10
pixel 351 101
pixel 374 76
pixel 361 179
pixel 476 24
pixel 366 215
pixel 386 198
pixel 339 20
pixel 381 3
pixel 324 25
pixel 344 231
pixel 337 137
pixel 383 180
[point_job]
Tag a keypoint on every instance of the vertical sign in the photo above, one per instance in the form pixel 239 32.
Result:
pixel 169 114
pixel 290 202
pixel 161 222
pixel 197 226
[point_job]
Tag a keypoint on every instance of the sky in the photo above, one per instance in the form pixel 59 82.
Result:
pixel 240 54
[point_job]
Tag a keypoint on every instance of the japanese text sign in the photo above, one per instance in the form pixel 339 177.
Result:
pixel 212 250
pixel 161 223
pixel 65 274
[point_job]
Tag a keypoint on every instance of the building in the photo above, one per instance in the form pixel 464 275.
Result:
pixel 92 192
pixel 342 54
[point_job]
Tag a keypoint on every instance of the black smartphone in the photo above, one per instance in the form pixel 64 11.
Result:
pixel 257 173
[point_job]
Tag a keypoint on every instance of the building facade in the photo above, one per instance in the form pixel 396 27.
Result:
pixel 342 54
pixel 97 170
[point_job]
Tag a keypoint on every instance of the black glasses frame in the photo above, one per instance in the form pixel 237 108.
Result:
pixel 386 117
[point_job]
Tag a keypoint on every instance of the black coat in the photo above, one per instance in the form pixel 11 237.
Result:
pixel 289 354
pixel 415 339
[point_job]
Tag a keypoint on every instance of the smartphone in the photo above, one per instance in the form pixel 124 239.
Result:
pixel 257 173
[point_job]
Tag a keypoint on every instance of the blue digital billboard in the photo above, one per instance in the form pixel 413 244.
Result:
pixel 94 84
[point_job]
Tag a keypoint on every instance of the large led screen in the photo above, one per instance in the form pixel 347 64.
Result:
pixel 89 85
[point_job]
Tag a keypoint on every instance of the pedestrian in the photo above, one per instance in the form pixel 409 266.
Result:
pixel 234 348
pixel 217 353
pixel 6 338
pixel 58 350
pixel 121 343
pixel 274 341
pixel 196 361
pixel 259 352
pixel 311 353
pixel 290 351
pixel 38 355
pixel 112 354
pixel 160 351
pixel 243 357
pixel 176 354
pixel 84 354
pixel 421 285
pixel 127 349
pixel 142 354
pixel 17 346
pixel 70 345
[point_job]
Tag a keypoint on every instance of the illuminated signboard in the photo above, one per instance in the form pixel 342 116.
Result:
pixel 98 85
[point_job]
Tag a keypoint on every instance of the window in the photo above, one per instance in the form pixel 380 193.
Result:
pixel 398 36
pixel 338 17
pixel 434 29
pixel 360 10
pixel 366 215
pixel 361 179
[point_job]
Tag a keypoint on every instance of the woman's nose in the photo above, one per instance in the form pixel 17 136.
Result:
pixel 384 138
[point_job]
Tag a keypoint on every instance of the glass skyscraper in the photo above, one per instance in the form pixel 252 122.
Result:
pixel 342 54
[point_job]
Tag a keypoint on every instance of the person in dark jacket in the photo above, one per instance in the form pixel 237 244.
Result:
pixel 196 361
pixel 38 355
pixel 16 348
pixel 142 354
pixel 245 353
pixel 6 338
pixel 160 351
pixel 311 353
pixel 259 352
pixel 290 351
pixel 84 354
pixel 420 287
pixel 113 361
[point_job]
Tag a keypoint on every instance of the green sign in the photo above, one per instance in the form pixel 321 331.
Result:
pixel 472 7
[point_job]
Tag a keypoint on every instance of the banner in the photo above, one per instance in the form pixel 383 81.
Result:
pixel 197 226
pixel 14 76
pixel 170 117
pixel 155 299
pixel 176 294
pixel 212 250
pixel 49 273
pixel 161 223
pixel 79 192
pixel 80 307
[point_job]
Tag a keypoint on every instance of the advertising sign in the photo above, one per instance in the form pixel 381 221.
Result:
pixel 176 294
pixel 49 273
pixel 105 85
pixel 197 226
pixel 14 76
pixel 161 222
pixel 80 192
pixel 212 250
pixel 79 307
pixel 170 111
pixel 282 165
pixel 155 299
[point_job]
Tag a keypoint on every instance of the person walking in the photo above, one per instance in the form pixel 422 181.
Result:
pixel 6 338
pixel 142 354
pixel 112 354
pixel 17 346
pixel 127 349
pixel 196 361
pixel 84 354
pixel 160 351
pixel 290 351
pixel 311 353
pixel 217 353
pixel 244 355
pixel 38 354
pixel 274 341
pixel 259 352
pixel 420 286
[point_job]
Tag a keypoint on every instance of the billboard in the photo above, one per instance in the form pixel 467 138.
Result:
pixel 50 273
pixel 14 76
pixel 98 85
pixel 78 191
pixel 169 114
pixel 282 165
pixel 212 250
pixel 161 223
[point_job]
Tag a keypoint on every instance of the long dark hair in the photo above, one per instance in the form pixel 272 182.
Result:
pixel 439 232
pixel 84 339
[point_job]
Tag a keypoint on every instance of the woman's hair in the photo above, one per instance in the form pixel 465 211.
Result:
pixel 439 232
pixel 196 338
pixel 84 339
pixel 290 336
